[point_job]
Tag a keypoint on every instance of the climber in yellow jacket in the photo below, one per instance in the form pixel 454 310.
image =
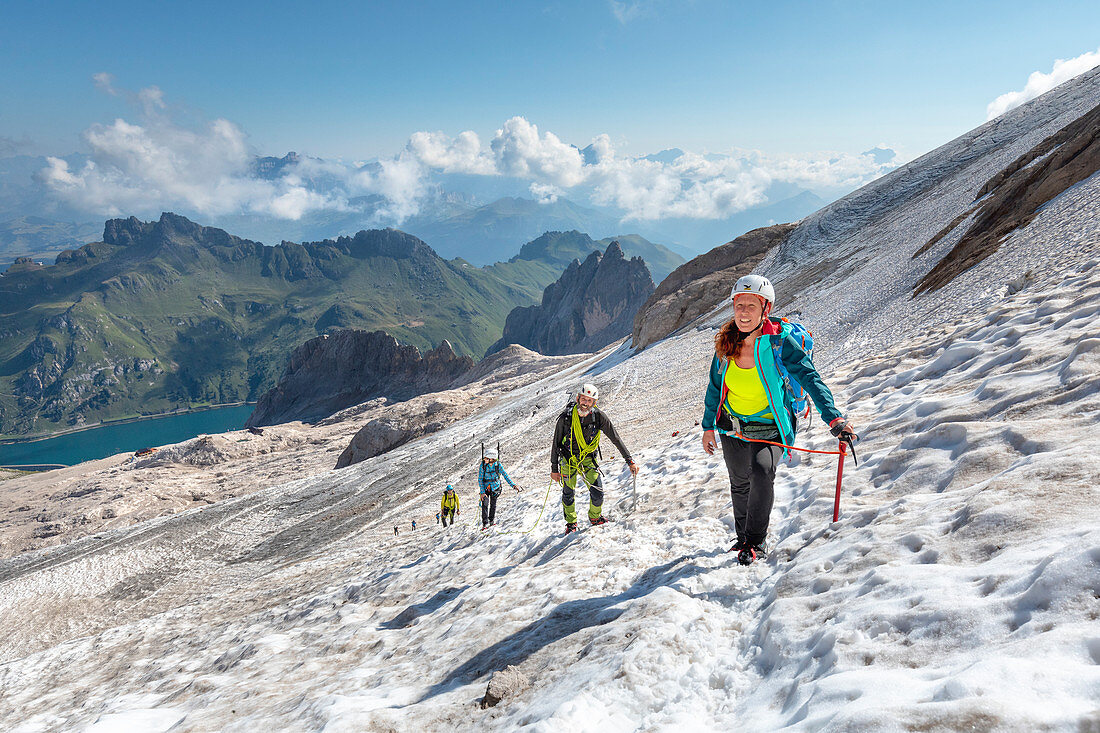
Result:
pixel 449 506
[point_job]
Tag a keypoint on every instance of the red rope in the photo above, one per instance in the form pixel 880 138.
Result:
pixel 735 434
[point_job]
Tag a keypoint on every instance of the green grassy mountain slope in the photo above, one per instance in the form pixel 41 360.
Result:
pixel 169 314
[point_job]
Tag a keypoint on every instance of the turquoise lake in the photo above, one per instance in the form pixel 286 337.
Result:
pixel 88 445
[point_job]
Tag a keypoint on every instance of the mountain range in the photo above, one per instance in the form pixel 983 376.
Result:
pixel 169 314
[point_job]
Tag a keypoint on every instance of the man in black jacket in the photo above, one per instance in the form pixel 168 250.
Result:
pixel 573 454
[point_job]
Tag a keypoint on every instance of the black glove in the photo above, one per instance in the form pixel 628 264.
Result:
pixel 842 427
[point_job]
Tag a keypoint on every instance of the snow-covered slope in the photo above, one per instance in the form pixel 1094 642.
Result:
pixel 960 590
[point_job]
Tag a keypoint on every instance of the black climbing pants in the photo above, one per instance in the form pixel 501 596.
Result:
pixel 448 514
pixel 488 508
pixel 752 474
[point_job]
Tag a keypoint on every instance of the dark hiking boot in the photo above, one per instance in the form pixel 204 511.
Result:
pixel 746 556
pixel 761 550
pixel 599 520
pixel 738 546
pixel 570 527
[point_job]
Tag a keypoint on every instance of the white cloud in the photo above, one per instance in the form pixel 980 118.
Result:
pixel 520 151
pixel 399 180
pixel 691 186
pixel 142 168
pixel 545 193
pixel 105 82
pixel 1039 83
pixel 458 155
pixel 602 149
pixel 152 98
pixel 157 164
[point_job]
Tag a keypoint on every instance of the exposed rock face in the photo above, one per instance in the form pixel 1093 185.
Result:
pixel 1017 193
pixel 400 423
pixel 696 287
pixel 408 421
pixel 329 373
pixel 591 305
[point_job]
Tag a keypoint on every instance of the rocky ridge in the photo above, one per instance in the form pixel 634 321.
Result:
pixel 590 306
pixel 1013 197
pixel 331 372
pixel 696 287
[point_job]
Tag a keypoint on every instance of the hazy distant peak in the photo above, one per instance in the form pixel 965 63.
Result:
pixel 880 154
pixel 665 156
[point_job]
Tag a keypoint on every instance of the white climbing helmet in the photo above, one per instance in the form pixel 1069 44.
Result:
pixel 755 284
pixel 589 390
pixel 491 454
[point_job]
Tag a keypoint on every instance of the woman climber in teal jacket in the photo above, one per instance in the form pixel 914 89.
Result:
pixel 746 395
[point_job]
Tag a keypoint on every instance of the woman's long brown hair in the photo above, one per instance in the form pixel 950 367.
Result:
pixel 728 340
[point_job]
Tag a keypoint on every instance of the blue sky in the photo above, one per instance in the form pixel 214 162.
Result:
pixel 791 93
pixel 356 79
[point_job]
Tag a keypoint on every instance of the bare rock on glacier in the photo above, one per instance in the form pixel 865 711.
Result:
pixel 405 421
pixel 508 682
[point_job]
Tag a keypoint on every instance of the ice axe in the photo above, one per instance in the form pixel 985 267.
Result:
pixel 846 444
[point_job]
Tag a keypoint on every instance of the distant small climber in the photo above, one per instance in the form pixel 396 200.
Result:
pixel 395 530
pixel 573 454
pixel 449 505
pixel 437 517
pixel 414 524
pixel 488 481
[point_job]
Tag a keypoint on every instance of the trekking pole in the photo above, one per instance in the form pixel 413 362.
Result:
pixel 839 475
pixel 634 483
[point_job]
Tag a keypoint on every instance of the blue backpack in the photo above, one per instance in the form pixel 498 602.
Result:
pixel 797 399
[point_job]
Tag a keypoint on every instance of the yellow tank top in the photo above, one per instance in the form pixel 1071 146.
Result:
pixel 746 395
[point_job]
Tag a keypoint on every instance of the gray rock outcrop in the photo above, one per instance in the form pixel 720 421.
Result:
pixel 696 287
pixel 407 421
pixel 591 305
pixel 390 425
pixel 1013 198
pixel 329 373
pixel 507 682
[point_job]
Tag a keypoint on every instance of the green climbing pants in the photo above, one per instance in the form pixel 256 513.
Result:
pixel 586 471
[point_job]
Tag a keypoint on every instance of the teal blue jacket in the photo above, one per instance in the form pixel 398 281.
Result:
pixel 797 363
pixel 488 478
